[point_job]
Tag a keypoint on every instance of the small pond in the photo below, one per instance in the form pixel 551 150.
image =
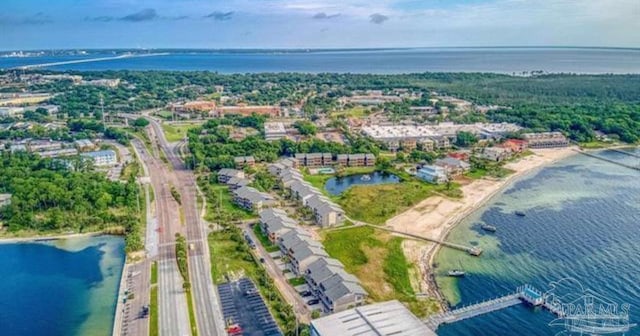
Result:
pixel 337 185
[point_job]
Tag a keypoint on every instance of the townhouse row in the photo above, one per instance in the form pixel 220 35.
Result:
pixel 326 278
pixel 325 212
pixel 326 159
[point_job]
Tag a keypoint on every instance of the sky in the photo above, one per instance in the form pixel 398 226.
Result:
pixel 68 24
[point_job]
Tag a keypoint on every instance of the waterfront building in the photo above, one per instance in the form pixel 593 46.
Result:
pixel 546 140
pixel 432 174
pixel 384 318
pixel 102 158
pixel 495 154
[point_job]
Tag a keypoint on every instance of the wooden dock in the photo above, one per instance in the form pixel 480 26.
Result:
pixel 609 160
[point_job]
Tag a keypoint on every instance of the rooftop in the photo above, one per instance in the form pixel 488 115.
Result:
pixel 385 318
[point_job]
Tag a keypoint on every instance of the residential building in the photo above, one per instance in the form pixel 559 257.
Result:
pixel 432 174
pixel 314 159
pixel 356 160
pixel 84 144
pixel 453 166
pixel 546 140
pixel 274 131
pixel 225 174
pixel 515 145
pixel 495 154
pixel 244 161
pixel 424 109
pixel 251 199
pixel 58 153
pixel 5 199
pixel 11 111
pixel 341 291
pixel 384 318
pixel 237 182
pixel 102 158
pixel 44 145
pixel 325 212
pixel 303 254
pixel 274 223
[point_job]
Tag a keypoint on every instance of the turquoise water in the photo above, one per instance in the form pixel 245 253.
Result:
pixel 63 287
pixel 337 185
pixel 582 222
pixel 500 60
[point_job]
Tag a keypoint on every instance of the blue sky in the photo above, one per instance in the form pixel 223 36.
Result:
pixel 47 24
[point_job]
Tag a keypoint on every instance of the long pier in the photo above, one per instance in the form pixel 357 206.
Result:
pixel 100 59
pixel 609 160
pixel 472 250
pixel 624 152
pixel 523 295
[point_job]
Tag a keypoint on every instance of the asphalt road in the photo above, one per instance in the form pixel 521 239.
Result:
pixel 137 282
pixel 207 304
pixel 173 312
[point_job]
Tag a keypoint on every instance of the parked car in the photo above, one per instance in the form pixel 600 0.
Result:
pixel 262 260
pixel 313 301
pixel 305 293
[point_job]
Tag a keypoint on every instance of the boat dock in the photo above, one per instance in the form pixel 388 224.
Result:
pixel 471 250
pixel 610 161
pixel 525 294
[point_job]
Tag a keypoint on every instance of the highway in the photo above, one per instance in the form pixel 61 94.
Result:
pixel 207 307
pixel 173 310
pixel 86 60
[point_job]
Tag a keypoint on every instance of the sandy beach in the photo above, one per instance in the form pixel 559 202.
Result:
pixel 435 216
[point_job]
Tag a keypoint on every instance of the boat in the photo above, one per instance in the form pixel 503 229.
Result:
pixel 456 273
pixel 365 178
pixel 520 213
pixel 488 228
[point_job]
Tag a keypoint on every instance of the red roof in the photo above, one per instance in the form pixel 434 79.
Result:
pixel 516 141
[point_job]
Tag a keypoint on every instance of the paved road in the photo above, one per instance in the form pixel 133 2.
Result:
pixel 173 312
pixel 290 295
pixel 207 304
pixel 137 282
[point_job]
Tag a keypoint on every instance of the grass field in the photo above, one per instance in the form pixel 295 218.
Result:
pixel 355 112
pixel 154 273
pixel 228 258
pixel 153 312
pixel 264 240
pixel 297 281
pixel 176 132
pixel 376 203
pixel 192 314
pixel 377 259
pixel 220 206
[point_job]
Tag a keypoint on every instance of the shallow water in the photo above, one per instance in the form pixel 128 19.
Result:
pixel 582 221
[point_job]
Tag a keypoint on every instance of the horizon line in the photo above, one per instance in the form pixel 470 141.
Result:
pixel 321 49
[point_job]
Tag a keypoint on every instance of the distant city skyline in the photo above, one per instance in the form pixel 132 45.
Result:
pixel 274 24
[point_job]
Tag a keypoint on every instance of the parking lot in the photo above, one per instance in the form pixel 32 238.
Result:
pixel 243 305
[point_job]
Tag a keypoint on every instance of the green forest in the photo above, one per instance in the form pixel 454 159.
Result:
pixel 48 196
pixel 574 104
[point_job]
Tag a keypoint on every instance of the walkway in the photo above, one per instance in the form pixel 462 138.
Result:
pixel 609 160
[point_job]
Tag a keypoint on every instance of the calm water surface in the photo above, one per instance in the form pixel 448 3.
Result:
pixel 337 185
pixel 500 60
pixel 60 288
pixel 583 222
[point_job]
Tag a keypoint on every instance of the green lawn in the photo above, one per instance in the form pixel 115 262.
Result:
pixel 354 112
pixel 229 257
pixel 377 259
pixel 153 312
pixel 176 132
pixel 376 203
pixel 264 240
pixel 220 206
pixel 476 173
pixel 192 314
pixel 297 281
pixel 154 273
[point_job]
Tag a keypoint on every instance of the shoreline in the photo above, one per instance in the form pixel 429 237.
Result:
pixel 443 214
pixel 36 238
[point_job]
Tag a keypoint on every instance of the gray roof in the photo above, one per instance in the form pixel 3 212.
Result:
pixel 449 161
pixel 323 269
pixel 385 318
pixel 342 289
pixel 305 250
pixel 238 181
pixel 228 172
pixel 253 195
pixel 288 238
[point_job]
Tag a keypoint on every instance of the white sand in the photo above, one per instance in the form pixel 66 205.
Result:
pixel 435 216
